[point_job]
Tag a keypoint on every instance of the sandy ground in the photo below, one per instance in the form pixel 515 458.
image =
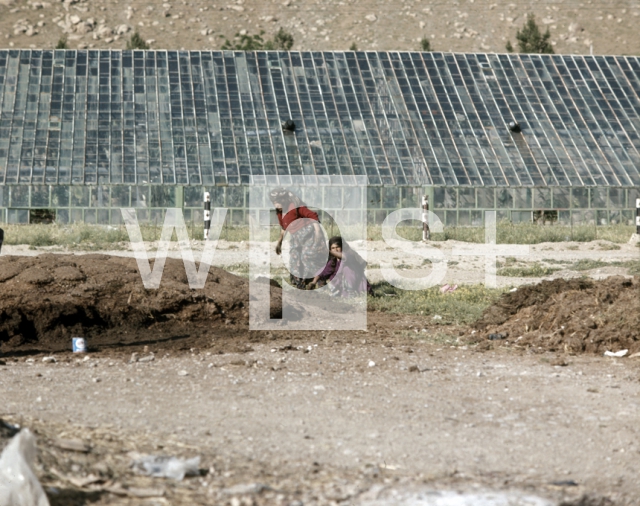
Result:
pixel 601 27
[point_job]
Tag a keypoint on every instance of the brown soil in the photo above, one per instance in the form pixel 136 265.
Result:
pixel 573 316
pixel 50 298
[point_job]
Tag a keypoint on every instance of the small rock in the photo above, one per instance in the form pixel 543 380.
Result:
pixel 183 373
pixel 245 489
pixel 437 317
pixel 559 361
pixel 497 337
pixel 148 358
pixel 97 380
pixel 134 358
pixel 73 445
pixel 74 19
pixel 413 368
pixel 372 363
pixel 49 360
pixel 319 388
pixel 30 361
pixel 371 17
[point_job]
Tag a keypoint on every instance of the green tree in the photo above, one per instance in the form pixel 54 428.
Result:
pixel 353 47
pixel 531 40
pixel 62 43
pixel 425 45
pixel 137 42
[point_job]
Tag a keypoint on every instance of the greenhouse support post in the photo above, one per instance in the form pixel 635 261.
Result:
pixel 426 234
pixel 207 214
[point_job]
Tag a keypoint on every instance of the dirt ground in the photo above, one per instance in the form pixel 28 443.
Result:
pixel 404 412
pixel 604 27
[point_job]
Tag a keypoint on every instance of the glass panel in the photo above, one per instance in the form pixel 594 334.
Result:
pixel 62 216
pixel 194 196
pixel 598 197
pixel 163 196
pixel 60 196
pixel 40 196
pixel 486 198
pixel 561 198
pixel 19 197
pixel 504 198
pixel 466 198
pixel 79 198
pixel 522 198
pixel 580 198
pixel 542 198
pixel 119 197
pixel 617 198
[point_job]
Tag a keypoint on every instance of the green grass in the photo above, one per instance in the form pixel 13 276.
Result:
pixel 535 270
pixel 463 306
pixel 632 266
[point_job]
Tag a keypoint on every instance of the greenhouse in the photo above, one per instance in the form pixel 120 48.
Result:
pixel 551 137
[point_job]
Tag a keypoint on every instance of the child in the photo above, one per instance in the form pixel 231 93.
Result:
pixel 345 270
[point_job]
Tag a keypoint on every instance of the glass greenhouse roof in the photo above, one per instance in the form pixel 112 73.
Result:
pixel 405 118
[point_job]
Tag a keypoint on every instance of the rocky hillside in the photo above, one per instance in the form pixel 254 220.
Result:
pixel 603 26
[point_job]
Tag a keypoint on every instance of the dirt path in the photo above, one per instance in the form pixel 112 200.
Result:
pixel 561 256
pixel 324 425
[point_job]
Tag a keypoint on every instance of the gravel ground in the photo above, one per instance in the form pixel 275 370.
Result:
pixel 345 422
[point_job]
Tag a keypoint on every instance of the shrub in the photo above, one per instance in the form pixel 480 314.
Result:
pixel 425 45
pixel 62 43
pixel 531 39
pixel 137 42
pixel 282 41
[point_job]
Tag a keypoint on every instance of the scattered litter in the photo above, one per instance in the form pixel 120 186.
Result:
pixel 183 373
pixel 8 430
pixel 319 387
pixel 148 358
pixel 513 290
pixel 437 317
pixel 18 483
pixel 372 363
pixel 618 354
pixel 135 492
pixel 79 345
pixel 49 360
pixel 635 355
pixel 134 358
pixel 448 288
pixel 497 337
pixel 166 467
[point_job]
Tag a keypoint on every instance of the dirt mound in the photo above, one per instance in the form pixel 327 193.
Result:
pixel 567 315
pixel 47 299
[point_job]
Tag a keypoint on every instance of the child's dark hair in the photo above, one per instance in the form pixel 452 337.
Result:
pixel 334 240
